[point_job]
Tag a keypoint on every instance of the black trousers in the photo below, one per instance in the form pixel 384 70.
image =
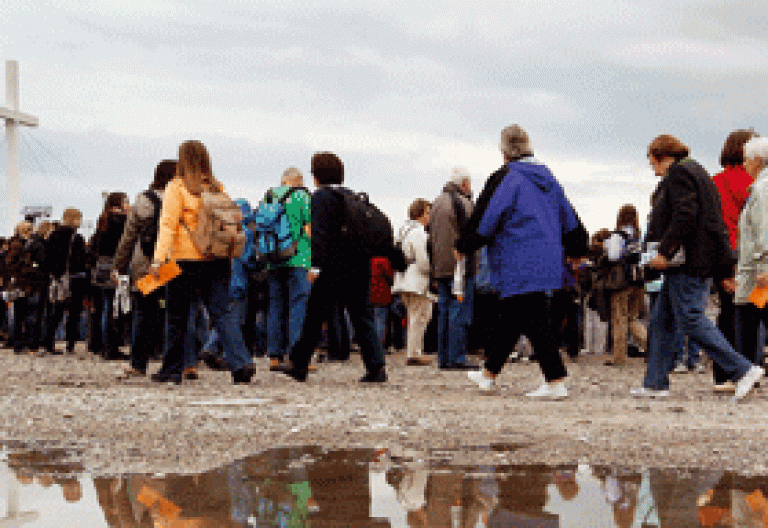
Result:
pixel 350 289
pixel 528 314
pixel 74 309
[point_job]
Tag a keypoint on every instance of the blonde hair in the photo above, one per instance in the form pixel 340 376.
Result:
pixel 45 228
pixel 71 217
pixel 24 229
pixel 292 177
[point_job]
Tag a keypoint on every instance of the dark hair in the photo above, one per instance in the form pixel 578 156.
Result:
pixel 164 172
pixel 115 199
pixel 666 145
pixel 417 208
pixel 733 150
pixel 628 216
pixel 327 168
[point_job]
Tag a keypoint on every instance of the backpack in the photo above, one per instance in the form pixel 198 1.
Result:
pixel 366 230
pixel 219 232
pixel 273 242
pixel 148 234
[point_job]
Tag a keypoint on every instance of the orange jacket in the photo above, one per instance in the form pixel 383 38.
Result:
pixel 180 209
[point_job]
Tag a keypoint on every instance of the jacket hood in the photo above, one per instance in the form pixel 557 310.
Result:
pixel 536 173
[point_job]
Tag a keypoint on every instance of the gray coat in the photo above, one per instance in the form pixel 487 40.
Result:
pixel 753 240
pixel 129 253
pixel 444 231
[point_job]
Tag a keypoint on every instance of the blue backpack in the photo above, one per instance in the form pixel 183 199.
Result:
pixel 273 242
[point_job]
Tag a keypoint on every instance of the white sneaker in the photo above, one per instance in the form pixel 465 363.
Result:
pixel 680 368
pixel 485 383
pixel 747 382
pixel 643 392
pixel 554 391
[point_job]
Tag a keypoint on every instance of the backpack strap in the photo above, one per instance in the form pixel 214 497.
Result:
pixel 287 195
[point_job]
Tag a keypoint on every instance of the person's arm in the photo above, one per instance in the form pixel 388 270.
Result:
pixel 127 243
pixel 323 232
pixel 469 241
pixel 418 242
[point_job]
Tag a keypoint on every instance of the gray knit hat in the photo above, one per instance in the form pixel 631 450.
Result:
pixel 515 143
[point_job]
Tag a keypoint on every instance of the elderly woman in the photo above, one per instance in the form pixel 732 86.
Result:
pixel 752 267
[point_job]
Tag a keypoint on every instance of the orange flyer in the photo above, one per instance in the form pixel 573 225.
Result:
pixel 759 297
pixel 150 282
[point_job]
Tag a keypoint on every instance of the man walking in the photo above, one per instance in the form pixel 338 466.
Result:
pixel 449 215
pixel 288 280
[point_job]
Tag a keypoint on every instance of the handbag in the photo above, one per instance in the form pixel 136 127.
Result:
pixel 60 289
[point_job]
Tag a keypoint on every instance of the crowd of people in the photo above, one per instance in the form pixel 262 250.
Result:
pixel 299 272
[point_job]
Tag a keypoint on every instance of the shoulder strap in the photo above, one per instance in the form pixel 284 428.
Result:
pixel 287 195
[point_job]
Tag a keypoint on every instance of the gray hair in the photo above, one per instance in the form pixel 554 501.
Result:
pixel 459 175
pixel 515 143
pixel 292 177
pixel 757 147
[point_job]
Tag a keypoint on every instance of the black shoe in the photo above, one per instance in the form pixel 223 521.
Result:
pixel 213 362
pixel 377 376
pixel 162 377
pixel 243 375
pixel 297 374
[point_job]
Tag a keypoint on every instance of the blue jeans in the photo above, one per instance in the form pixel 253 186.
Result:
pixel 681 301
pixel 453 321
pixel 288 295
pixel 380 320
pixel 207 282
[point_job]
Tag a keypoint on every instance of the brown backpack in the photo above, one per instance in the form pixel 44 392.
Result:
pixel 219 232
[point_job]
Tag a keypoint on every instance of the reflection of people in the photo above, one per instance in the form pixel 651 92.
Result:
pixel 70 489
pixel 410 485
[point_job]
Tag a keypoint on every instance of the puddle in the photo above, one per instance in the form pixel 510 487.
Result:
pixel 310 486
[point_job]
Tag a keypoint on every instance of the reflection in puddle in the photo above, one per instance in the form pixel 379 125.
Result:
pixel 312 487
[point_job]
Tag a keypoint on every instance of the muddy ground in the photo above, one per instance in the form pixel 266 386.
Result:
pixel 140 426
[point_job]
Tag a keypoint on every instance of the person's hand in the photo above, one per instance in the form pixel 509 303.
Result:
pixel 762 280
pixel 153 270
pixel 458 256
pixel 312 276
pixel 659 262
pixel 114 277
pixel 729 285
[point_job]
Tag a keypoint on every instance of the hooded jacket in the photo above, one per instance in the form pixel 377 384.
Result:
pixel 129 254
pixel 525 224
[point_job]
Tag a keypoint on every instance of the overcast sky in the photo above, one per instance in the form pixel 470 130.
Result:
pixel 402 92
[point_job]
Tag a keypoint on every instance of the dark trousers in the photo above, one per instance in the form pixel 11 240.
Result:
pixel 148 322
pixel 726 323
pixel 527 314
pixel 750 341
pixel 74 308
pixel 207 282
pixel 348 289
pixel 338 333
pixel 28 319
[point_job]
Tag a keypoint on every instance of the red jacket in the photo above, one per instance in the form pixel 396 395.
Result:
pixel 733 184
pixel 382 276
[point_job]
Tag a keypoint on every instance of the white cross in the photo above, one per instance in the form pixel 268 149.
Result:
pixel 13 118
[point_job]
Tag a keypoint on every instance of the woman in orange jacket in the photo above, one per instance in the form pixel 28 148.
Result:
pixel 201 279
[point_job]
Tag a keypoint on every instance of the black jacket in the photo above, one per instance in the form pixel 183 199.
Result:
pixel 329 251
pixel 104 243
pixel 686 212
pixel 59 250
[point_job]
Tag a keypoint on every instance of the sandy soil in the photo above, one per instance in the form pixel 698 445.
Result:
pixel 139 426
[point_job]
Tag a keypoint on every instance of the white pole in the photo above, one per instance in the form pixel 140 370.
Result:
pixel 13 205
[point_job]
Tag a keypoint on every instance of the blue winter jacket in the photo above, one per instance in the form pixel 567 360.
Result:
pixel 525 222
